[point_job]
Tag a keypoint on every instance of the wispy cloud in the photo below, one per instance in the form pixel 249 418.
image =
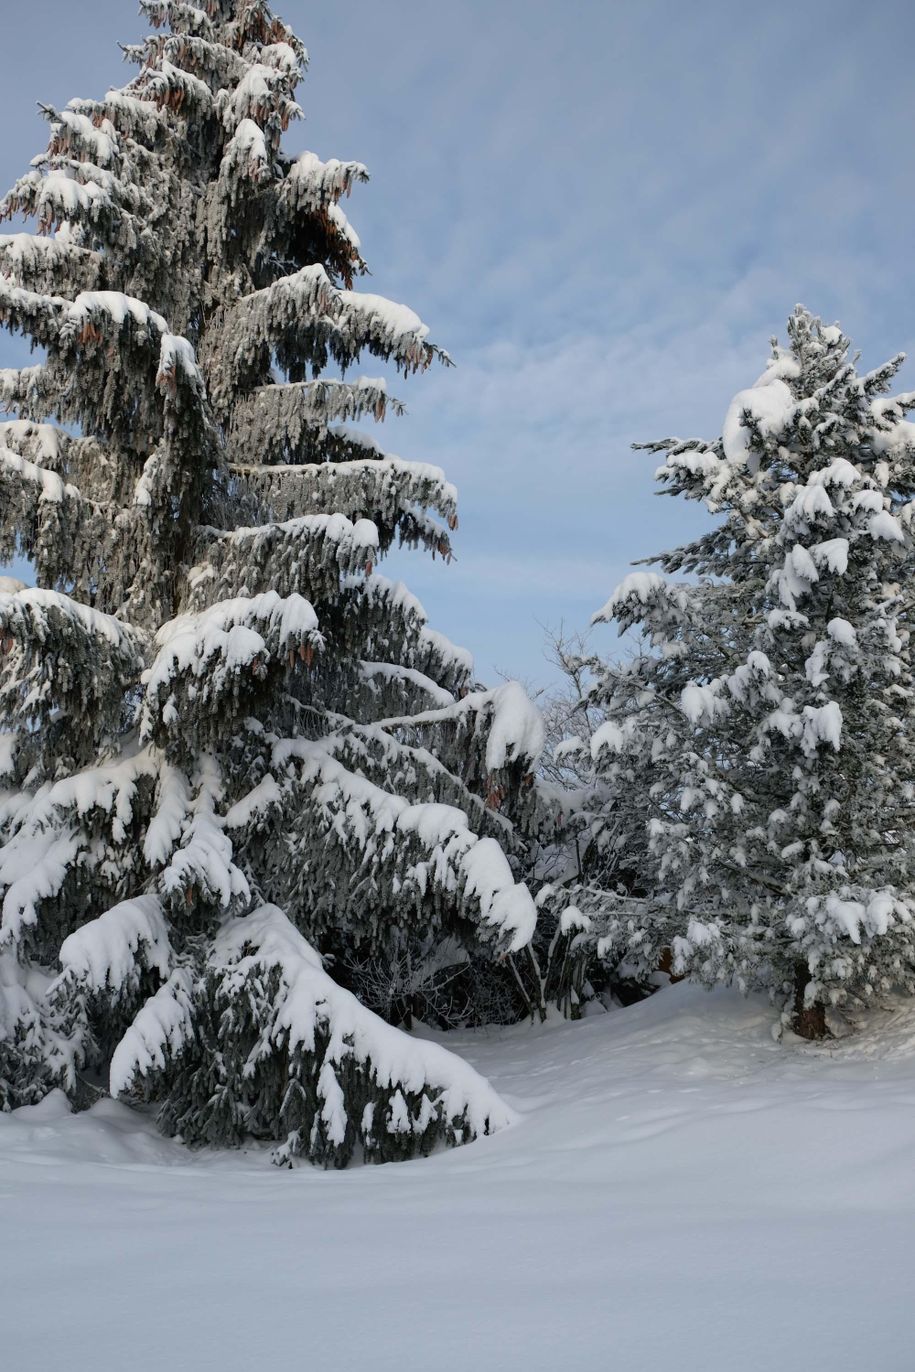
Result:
pixel 603 210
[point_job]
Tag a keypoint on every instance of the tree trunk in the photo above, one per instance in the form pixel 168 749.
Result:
pixel 809 1021
pixel 666 965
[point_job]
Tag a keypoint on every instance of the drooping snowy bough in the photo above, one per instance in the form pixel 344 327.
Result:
pixel 764 734
pixel 230 748
pixel 266 1024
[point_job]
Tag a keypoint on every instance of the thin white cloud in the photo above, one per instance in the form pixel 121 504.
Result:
pixel 603 210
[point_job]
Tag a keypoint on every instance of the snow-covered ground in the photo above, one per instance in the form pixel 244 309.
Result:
pixel 682 1193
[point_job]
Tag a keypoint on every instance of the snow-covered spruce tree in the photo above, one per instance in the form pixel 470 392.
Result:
pixel 768 723
pixel 228 741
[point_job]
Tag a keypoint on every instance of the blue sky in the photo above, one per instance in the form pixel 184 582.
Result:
pixel 603 210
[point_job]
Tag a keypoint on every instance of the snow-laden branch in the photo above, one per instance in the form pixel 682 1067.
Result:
pixel 49 485
pixel 38 263
pixel 73 823
pixel 312 552
pixel 390 673
pixel 433 845
pixel 311 184
pixel 278 421
pixel 210 663
pixel 386 622
pixel 63 655
pixel 393 492
pixel 511 722
pixel 179 15
pixel 350 1080
pixel 108 956
pixel 283 315
pixel 94 316
pixel 201 866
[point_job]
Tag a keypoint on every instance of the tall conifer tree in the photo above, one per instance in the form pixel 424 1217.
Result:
pixel 228 741
pixel 764 734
